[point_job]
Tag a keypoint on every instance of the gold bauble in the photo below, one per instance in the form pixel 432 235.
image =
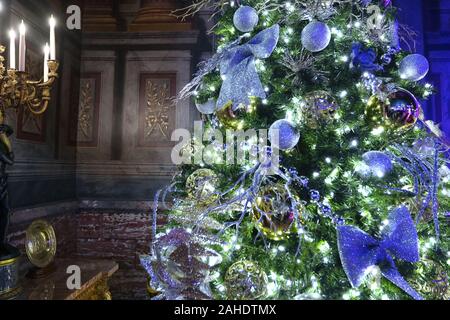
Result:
pixel 230 119
pixel 201 186
pixel 244 280
pixel 374 113
pixel 273 213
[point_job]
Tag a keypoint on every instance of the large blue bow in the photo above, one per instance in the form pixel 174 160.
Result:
pixel 241 80
pixel 360 251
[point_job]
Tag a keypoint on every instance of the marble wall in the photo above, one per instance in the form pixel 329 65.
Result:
pixel 138 67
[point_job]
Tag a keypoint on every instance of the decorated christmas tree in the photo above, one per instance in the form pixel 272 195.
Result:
pixel 314 173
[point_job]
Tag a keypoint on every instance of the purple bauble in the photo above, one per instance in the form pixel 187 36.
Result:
pixel 246 19
pixel 403 108
pixel 316 36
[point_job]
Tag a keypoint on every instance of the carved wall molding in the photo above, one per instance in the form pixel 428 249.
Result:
pixel 156 109
pixel 85 116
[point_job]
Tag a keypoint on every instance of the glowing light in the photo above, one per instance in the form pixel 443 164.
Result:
pixel 378 131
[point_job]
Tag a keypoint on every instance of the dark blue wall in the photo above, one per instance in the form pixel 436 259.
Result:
pixel 431 19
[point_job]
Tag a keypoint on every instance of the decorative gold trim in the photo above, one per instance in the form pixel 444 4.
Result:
pixel 8 262
pixel 40 243
pixel 10 293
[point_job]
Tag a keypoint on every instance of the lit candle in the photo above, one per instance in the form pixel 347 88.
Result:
pixel 22 47
pixel 12 49
pixel 46 57
pixel 52 23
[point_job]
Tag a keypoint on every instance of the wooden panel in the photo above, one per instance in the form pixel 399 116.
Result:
pixel 84 115
pixel 156 109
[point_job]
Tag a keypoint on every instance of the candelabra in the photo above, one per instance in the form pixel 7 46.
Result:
pixel 17 91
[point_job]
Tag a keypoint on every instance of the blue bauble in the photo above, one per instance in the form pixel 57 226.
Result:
pixel 208 107
pixel 246 19
pixel 378 164
pixel 283 135
pixel 316 36
pixel 414 67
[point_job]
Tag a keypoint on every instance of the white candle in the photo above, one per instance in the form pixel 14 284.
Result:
pixel 12 49
pixel 22 47
pixel 52 23
pixel 46 57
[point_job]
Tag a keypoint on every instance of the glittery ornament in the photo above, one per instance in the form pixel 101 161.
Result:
pixel 316 36
pixel 283 135
pixel 244 280
pixel 207 108
pixel 320 107
pixel 425 147
pixel 201 186
pixel 437 286
pixel 414 67
pixel 180 266
pixel 246 19
pixel 229 118
pixel 400 110
pixel 273 213
pixel 378 164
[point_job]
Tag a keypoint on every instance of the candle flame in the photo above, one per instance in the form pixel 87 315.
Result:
pixel 12 33
pixel 52 21
pixel 22 28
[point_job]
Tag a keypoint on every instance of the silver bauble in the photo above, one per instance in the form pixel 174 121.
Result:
pixel 209 107
pixel 246 19
pixel 414 67
pixel 316 36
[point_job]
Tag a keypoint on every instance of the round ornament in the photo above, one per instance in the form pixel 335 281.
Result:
pixel 400 110
pixel 378 164
pixel 229 118
pixel 41 244
pixel 283 135
pixel 316 36
pixel 273 213
pixel 414 67
pixel 207 108
pixel 244 280
pixel 245 19
pixel 201 186
pixel 320 107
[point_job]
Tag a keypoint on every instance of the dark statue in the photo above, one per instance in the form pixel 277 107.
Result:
pixel 6 159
